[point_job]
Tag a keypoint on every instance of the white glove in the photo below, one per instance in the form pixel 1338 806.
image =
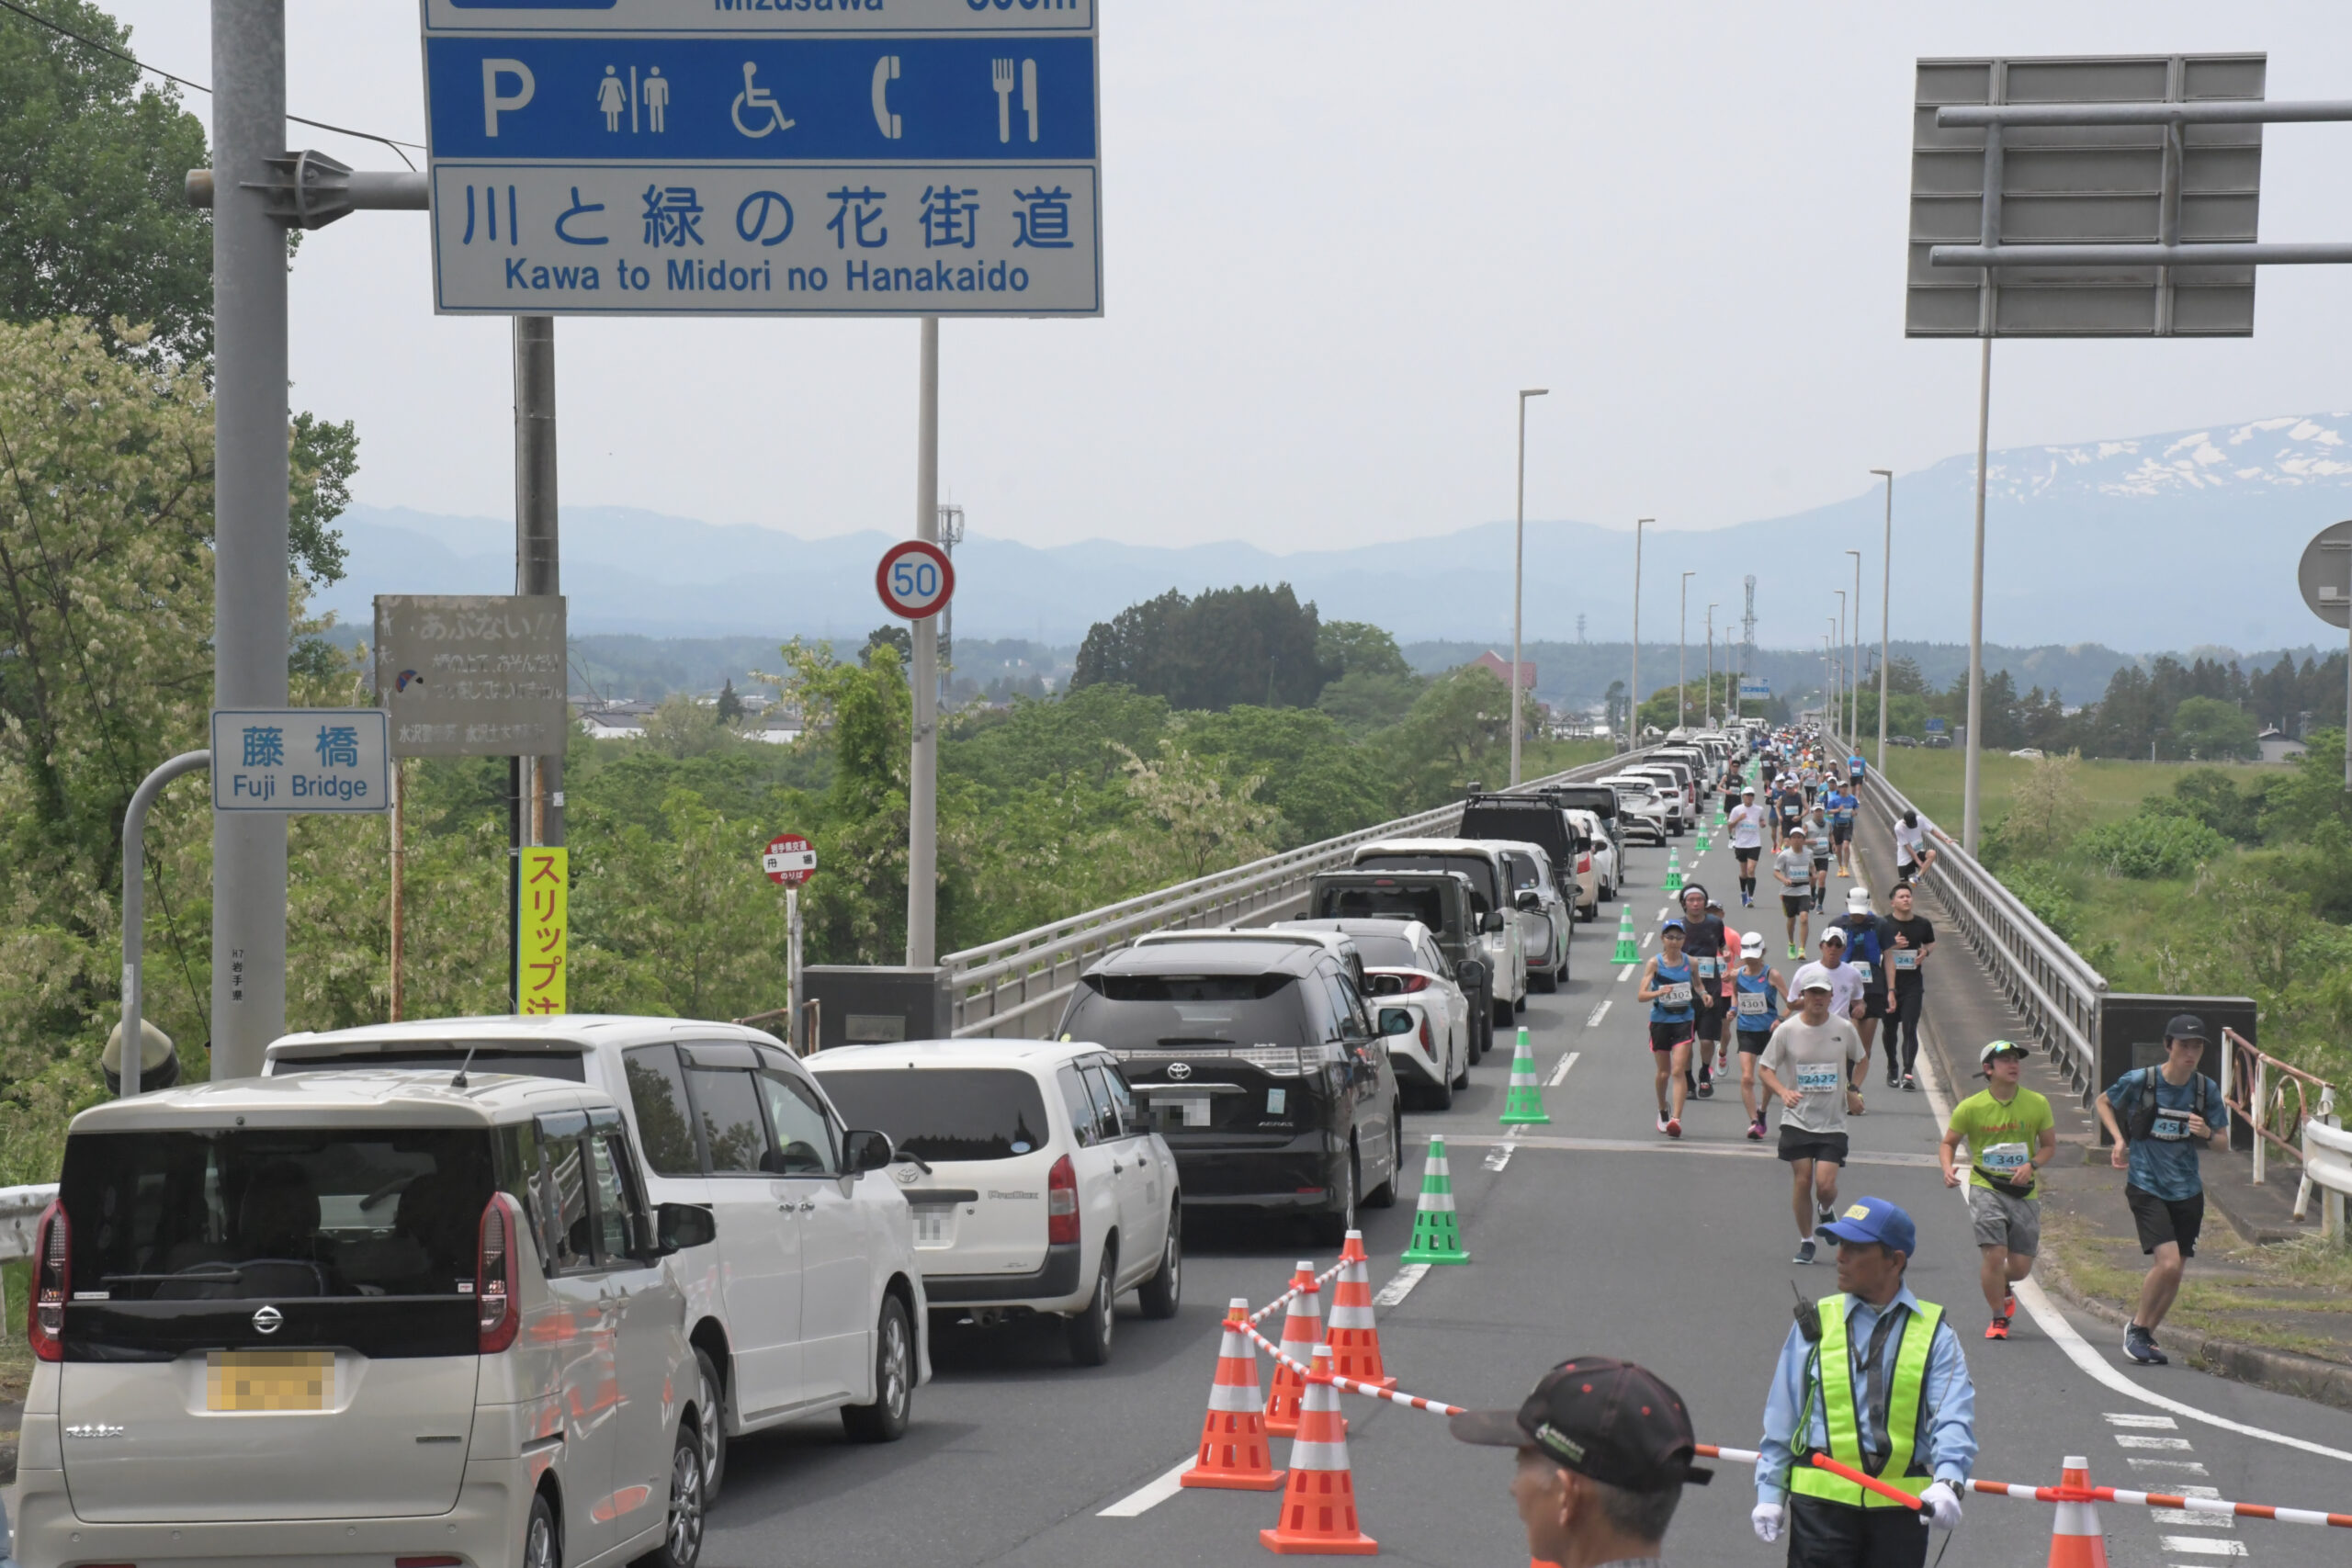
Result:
pixel 1943 1505
pixel 1767 1517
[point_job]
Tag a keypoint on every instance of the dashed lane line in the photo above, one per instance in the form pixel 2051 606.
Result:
pixel 1399 1286
pixel 1627 972
pixel 1560 1073
pixel 1149 1495
pixel 1592 1019
pixel 1684 1146
pixel 1499 1151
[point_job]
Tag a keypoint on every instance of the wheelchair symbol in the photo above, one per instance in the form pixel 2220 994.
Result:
pixel 760 101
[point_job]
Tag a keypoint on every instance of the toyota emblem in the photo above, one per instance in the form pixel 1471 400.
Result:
pixel 904 1175
pixel 267 1319
pixel 1179 1071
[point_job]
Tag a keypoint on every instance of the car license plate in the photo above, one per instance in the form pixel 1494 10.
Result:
pixel 934 1224
pixel 268 1380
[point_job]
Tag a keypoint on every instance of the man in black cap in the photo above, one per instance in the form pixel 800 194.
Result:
pixel 1604 1451
pixel 2159 1118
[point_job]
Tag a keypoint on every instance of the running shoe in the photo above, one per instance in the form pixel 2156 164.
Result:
pixel 2140 1346
pixel 1997 1329
pixel 1674 1126
pixel 1804 1252
pixel 1661 1123
pixel 1892 1081
pixel 1756 1131
pixel 1910 1084
pixel 2008 1306
pixel 1706 1089
pixel 1794 952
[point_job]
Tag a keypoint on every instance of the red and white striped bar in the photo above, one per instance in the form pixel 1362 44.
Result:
pixel 1735 1456
pixel 2162 1500
pixel 1411 1401
pixel 1283 1300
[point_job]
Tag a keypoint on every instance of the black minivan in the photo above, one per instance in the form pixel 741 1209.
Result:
pixel 1261 1066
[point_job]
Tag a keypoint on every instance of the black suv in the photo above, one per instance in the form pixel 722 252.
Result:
pixel 1442 900
pixel 1261 1065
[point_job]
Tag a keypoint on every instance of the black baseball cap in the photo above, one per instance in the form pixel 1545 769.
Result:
pixel 1604 1419
pixel 2187 1026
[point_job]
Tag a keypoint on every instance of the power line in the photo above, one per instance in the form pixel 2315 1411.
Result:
pixel 105 47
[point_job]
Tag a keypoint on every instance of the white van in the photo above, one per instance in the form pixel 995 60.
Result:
pixel 810 1299
pixel 1040 1188
pixel 370 1317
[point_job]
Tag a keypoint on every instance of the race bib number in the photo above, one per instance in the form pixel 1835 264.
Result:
pixel 1677 995
pixel 1820 1080
pixel 1707 968
pixel 1906 959
pixel 1861 968
pixel 2172 1129
pixel 2004 1159
pixel 1753 1003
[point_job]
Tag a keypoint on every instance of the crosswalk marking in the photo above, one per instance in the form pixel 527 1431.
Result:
pixel 2150 1422
pixel 2201 1522
pixel 2185 1466
pixel 2201 1546
pixel 2125 1439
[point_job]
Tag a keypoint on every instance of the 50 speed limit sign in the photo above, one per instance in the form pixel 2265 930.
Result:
pixel 915 580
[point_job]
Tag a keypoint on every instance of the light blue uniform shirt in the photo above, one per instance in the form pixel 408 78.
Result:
pixel 1947 1435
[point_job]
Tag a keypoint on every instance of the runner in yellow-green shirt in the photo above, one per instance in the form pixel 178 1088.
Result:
pixel 2010 1135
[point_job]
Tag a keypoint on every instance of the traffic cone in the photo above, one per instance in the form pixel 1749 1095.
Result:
pixel 1318 1516
pixel 2075 1538
pixel 1628 949
pixel 1437 1233
pixel 1699 844
pixel 1302 1331
pixel 1354 1336
pixel 1673 883
pixel 1524 1105
pixel 1235 1453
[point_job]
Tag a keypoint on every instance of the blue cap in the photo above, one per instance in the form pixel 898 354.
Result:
pixel 1875 1219
pixel 1672 924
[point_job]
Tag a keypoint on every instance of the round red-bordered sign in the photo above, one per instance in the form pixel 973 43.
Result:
pixel 790 860
pixel 915 580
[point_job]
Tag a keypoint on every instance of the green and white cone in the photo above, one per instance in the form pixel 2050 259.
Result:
pixel 1628 949
pixel 1673 883
pixel 1437 1233
pixel 1523 1106
pixel 1699 845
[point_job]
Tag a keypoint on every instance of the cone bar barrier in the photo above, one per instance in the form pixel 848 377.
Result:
pixel 1437 1229
pixel 1318 1516
pixel 1373 1391
pixel 1628 949
pixel 1283 1300
pixel 1236 1454
pixel 1302 1330
pixel 2075 1539
pixel 1351 1330
pixel 1524 1105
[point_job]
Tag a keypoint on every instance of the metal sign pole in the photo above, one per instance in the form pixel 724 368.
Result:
pixel 922 781
pixel 1972 799
pixel 1634 691
pixel 792 1035
pixel 249 510
pixel 1886 598
pixel 134 924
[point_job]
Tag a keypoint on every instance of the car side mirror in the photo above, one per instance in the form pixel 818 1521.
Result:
pixel 863 1151
pixel 680 1227
pixel 1470 974
pixel 1397 1021
pixel 1531 901
pixel 1492 920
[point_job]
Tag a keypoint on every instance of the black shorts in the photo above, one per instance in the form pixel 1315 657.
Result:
pixel 1874 1005
pixel 1795 903
pixel 1753 1041
pixel 1745 854
pixel 1821 865
pixel 1841 832
pixel 1709 1024
pixel 2166 1219
pixel 1797 1144
pixel 1665 1037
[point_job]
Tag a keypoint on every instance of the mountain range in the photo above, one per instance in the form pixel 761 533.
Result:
pixel 2153 542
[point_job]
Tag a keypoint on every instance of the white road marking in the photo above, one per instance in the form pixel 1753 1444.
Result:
pixel 1686 1147
pixel 1627 972
pixel 1149 1495
pixel 1561 1072
pixel 2198 1521
pixel 2185 1466
pixel 1645 940
pixel 2126 1440
pixel 1401 1285
pixel 2145 1423
pixel 2198 1546
pixel 1592 1019
pixel 1500 1156
pixel 2045 1314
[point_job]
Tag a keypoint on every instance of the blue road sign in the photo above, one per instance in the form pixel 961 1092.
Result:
pixel 1935 726
pixel 1756 691
pixel 659 157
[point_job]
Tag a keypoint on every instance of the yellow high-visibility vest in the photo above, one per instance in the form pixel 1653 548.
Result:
pixel 1834 1386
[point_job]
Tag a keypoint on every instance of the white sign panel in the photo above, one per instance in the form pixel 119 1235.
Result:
pixel 300 760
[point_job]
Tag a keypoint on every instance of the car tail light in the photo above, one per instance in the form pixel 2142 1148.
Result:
pixel 1427 1043
pixel 1407 984
pixel 497 1278
pixel 1061 1203
pixel 1583 864
pixel 53 1284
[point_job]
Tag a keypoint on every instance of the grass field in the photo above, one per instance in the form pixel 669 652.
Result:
pixel 2112 787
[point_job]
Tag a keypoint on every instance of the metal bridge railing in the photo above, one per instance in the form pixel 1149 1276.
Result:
pixel 1015 986
pixel 2047 981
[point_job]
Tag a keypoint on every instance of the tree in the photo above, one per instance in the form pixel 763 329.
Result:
pixel 730 706
pixel 1232 645
pixel 92 220
pixel 1358 647
pixel 1204 823
pixel 2046 810
pixel 2212 729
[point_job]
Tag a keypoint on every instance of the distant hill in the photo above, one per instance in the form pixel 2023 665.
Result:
pixel 2140 544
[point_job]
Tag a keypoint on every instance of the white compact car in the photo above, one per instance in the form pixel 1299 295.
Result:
pixel 361 1318
pixel 1404 969
pixel 1645 807
pixel 1545 921
pixel 1036 1185
pixel 1597 875
pixel 810 1299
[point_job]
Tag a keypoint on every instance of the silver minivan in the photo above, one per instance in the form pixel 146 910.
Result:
pixel 362 1317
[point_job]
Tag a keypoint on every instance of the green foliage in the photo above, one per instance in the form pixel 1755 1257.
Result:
pixel 1358 648
pixel 2213 798
pixel 324 456
pixel 1661 709
pixel 1228 647
pixel 1457 731
pixel 2150 845
pixel 2041 888
pixel 2311 791
pixel 1321 785
pixel 2210 730
pixel 1361 701
pixel 2045 812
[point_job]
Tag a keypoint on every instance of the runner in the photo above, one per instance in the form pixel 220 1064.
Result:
pixel 1758 998
pixel 1912 855
pixel 1816 839
pixel 1745 822
pixel 1913 937
pixel 2010 1135
pixel 1842 802
pixel 1792 803
pixel 1805 1065
pixel 1793 869
pixel 1847 997
pixel 1666 986
pixel 1703 943
pixel 1867 940
pixel 1856 771
pixel 2174 1112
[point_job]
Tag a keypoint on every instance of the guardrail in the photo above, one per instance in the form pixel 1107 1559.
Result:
pixel 2059 994
pixel 2327 1164
pixel 1016 985
pixel 2254 1086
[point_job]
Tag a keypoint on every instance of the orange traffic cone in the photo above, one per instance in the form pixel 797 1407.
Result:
pixel 1318 1518
pixel 2075 1538
pixel 1355 1336
pixel 1302 1332
pixel 1235 1455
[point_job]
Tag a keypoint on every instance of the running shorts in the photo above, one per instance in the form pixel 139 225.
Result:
pixel 2004 1221
pixel 1795 903
pixel 1753 1041
pixel 1665 1037
pixel 1747 854
pixel 1797 1144
pixel 2166 1219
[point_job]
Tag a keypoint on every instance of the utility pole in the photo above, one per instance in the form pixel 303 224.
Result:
pixel 1886 598
pixel 249 636
pixel 1971 777
pixel 537 818
pixel 1682 659
pixel 1518 575
pixel 1634 691
pixel 1837 674
pixel 923 780
pixel 1708 721
pixel 1854 660
pixel 951 534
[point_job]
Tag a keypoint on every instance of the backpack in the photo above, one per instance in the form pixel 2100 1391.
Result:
pixel 2143 1108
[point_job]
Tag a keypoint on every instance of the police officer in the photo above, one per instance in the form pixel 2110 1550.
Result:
pixel 1874 1378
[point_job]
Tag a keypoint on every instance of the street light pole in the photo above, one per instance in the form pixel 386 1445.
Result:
pixel 1710 721
pixel 1682 659
pixel 1634 691
pixel 1886 598
pixel 1854 659
pixel 1518 574
pixel 922 775
pixel 1973 775
pixel 1836 666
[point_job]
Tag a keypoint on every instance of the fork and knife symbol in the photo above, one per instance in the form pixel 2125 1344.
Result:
pixel 1000 77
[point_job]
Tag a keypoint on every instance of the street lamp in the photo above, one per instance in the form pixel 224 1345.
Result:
pixel 1886 597
pixel 1854 659
pixel 1682 659
pixel 1837 665
pixel 1634 691
pixel 1710 721
pixel 1518 570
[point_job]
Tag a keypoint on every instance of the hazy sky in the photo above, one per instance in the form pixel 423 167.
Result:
pixel 1340 234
